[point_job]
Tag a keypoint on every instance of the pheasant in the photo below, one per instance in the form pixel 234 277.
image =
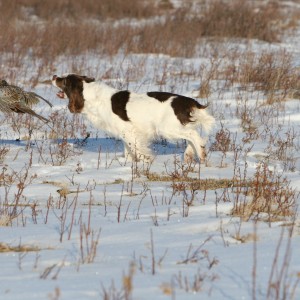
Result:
pixel 13 98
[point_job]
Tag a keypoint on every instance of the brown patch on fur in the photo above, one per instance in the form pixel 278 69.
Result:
pixel 161 96
pixel 118 104
pixel 72 86
pixel 182 106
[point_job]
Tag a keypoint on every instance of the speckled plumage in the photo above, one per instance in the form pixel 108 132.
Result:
pixel 13 98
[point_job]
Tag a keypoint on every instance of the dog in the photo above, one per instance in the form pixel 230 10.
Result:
pixel 137 119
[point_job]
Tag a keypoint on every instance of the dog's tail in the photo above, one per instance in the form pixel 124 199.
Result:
pixel 203 118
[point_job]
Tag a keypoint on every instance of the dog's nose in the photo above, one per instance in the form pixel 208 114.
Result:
pixel 54 77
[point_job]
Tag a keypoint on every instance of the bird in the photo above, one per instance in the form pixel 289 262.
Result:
pixel 14 98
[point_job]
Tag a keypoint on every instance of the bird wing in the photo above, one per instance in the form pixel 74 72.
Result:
pixel 13 98
pixel 33 98
pixel 9 98
pixel 30 98
pixel 25 109
pixel 4 106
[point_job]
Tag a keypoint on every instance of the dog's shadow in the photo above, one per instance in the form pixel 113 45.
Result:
pixel 112 145
pixel 104 145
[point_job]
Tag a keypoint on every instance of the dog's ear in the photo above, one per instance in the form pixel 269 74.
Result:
pixel 76 101
pixel 88 79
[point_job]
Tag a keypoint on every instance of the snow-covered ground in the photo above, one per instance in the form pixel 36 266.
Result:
pixel 78 221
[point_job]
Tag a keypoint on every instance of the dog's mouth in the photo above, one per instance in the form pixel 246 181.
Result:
pixel 61 94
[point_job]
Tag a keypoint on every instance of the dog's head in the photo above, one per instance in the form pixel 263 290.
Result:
pixel 71 86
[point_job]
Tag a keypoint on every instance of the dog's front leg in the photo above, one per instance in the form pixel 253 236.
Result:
pixel 136 147
pixel 127 152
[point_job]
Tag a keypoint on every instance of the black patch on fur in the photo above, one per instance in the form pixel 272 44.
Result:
pixel 182 106
pixel 161 96
pixel 118 104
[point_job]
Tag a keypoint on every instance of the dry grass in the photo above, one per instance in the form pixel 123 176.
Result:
pixel 186 182
pixel 46 29
pixel 271 198
pixel 271 72
pixel 4 247
pixel 242 19
pixel 58 9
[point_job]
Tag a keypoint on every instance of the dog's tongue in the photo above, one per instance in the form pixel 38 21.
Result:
pixel 61 94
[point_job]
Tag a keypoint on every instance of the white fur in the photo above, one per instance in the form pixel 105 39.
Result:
pixel 149 118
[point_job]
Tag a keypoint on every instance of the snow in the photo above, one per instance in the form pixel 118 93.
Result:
pixel 150 245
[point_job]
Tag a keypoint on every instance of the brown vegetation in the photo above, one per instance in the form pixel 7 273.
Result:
pixel 272 72
pixel 242 19
pixel 271 198
pixel 46 29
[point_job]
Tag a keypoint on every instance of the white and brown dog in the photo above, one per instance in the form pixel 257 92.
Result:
pixel 137 119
